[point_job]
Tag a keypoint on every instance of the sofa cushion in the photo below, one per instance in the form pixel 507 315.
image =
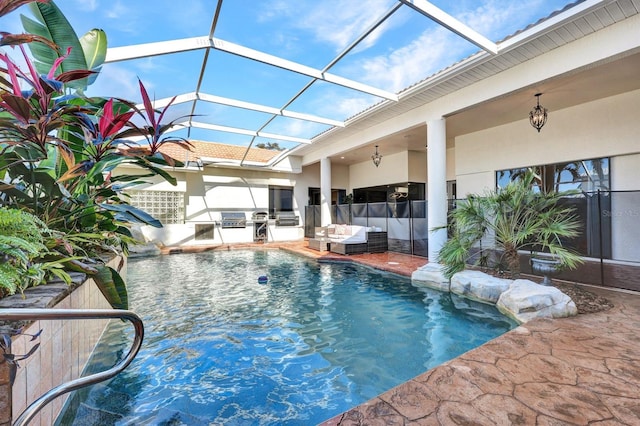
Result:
pixel 348 234
pixel 343 230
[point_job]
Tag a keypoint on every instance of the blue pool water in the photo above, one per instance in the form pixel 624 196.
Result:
pixel 314 341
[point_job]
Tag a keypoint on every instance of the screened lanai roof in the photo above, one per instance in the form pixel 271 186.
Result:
pixel 252 72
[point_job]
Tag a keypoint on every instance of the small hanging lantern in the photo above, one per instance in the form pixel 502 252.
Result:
pixel 376 157
pixel 538 115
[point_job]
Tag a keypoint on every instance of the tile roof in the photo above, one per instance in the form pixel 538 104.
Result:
pixel 214 150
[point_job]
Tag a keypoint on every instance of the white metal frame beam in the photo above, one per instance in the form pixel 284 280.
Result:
pixel 205 97
pixel 441 17
pixel 137 51
pixel 237 130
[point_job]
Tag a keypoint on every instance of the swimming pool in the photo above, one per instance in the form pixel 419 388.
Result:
pixel 314 341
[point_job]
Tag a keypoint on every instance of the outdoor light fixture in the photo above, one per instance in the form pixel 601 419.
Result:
pixel 376 157
pixel 538 115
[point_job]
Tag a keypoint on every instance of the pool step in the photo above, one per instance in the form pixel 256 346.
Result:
pixel 89 416
pixel 168 417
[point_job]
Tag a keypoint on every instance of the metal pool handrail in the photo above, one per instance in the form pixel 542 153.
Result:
pixel 75 314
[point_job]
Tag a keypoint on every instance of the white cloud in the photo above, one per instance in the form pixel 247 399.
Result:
pixel 335 22
pixel 116 81
pixel 295 128
pixel 146 65
pixel 489 17
pixel 85 5
pixel 117 10
pixel 342 28
pixel 352 105
pixel 404 66
pixel 435 50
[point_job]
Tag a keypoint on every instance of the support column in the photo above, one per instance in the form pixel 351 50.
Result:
pixel 325 192
pixel 436 185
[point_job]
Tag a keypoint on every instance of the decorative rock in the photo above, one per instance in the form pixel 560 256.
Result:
pixel 526 300
pixel 430 275
pixel 479 286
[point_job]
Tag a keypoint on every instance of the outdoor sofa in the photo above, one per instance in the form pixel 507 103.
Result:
pixel 347 239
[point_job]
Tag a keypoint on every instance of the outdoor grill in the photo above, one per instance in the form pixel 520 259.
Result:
pixel 287 219
pixel 260 216
pixel 233 220
pixel 260 222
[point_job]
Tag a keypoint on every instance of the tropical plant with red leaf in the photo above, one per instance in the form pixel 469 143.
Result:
pixel 58 151
pixel 153 130
pixel 58 148
pixel 7 6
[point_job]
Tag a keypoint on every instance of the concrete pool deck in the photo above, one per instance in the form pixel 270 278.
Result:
pixel 583 370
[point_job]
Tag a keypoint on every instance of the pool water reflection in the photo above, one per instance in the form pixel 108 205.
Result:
pixel 223 347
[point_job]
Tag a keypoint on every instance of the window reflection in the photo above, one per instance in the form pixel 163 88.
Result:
pixel 581 175
pixel 280 200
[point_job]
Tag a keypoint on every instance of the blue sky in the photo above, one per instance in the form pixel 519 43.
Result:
pixel 407 48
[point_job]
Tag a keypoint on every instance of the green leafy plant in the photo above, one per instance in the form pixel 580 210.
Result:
pixel 85 53
pixel 516 217
pixel 59 148
pixel 23 252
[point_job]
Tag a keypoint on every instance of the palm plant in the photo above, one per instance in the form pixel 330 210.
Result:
pixel 516 217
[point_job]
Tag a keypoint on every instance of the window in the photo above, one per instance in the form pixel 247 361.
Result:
pixel 407 191
pixel 166 206
pixel 582 175
pixel 588 177
pixel 337 196
pixel 280 200
pixel 452 189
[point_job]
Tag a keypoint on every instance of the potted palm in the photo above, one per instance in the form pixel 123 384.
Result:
pixel 512 219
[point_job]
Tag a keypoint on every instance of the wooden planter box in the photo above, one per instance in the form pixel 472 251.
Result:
pixel 65 346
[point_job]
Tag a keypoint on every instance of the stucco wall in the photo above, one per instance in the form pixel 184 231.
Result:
pixel 607 127
pixel 392 169
pixel 604 128
pixel 217 190
pixel 310 177
pixel 417 166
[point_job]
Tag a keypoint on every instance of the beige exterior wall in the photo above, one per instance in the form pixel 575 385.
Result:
pixel 604 128
pixel 393 168
pixel 339 177
pixel 625 172
pixel 451 164
pixel 310 177
pixel 417 166
pixel 607 127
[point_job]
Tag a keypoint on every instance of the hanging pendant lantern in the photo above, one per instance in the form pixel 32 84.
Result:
pixel 538 115
pixel 376 157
